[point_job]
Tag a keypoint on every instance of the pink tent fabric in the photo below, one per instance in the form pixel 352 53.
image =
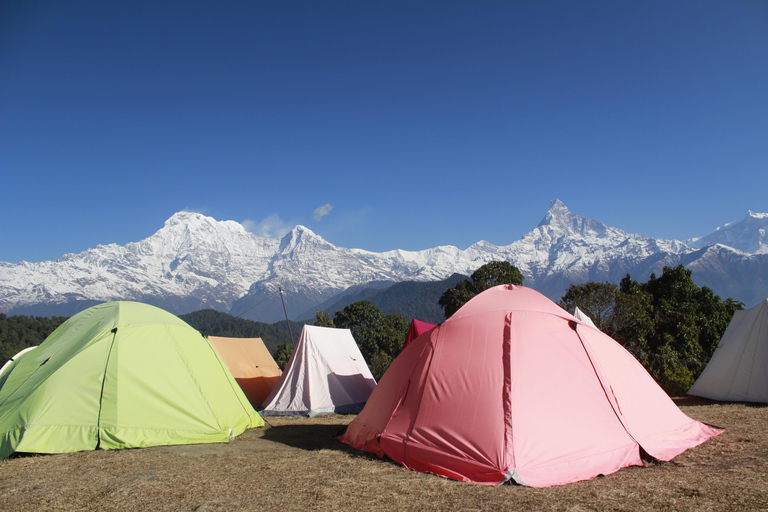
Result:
pixel 512 387
pixel 417 329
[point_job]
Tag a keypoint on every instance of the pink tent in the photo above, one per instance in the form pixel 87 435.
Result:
pixel 417 329
pixel 514 388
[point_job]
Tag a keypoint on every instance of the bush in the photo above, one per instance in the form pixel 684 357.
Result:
pixel 677 380
pixel 379 364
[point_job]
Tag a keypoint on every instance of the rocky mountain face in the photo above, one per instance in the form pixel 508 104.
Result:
pixel 195 262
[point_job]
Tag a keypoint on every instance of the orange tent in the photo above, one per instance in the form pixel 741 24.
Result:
pixel 250 363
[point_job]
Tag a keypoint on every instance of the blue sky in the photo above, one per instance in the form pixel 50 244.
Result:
pixel 413 124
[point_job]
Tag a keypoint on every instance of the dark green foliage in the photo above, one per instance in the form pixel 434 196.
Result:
pixel 20 332
pixel 379 364
pixel 215 323
pixel 323 319
pixel 283 354
pixel 688 323
pixel 632 324
pixel 377 335
pixel 669 323
pixel 622 313
pixel 497 272
pixel 596 300
pixel 487 276
pixel 687 318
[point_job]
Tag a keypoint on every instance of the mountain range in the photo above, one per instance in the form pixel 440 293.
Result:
pixel 196 262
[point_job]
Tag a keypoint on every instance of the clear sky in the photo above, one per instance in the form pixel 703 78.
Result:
pixel 378 125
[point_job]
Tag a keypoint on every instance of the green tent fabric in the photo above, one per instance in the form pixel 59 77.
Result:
pixel 120 375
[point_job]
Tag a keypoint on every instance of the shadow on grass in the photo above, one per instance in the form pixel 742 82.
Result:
pixel 319 437
pixel 694 401
pixel 309 437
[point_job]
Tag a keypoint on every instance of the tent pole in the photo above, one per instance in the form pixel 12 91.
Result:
pixel 286 315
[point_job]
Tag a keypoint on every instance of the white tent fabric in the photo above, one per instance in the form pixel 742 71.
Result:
pixel 580 315
pixel 738 370
pixel 326 374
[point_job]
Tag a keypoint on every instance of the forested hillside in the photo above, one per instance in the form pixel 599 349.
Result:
pixel 215 323
pixel 409 299
pixel 20 332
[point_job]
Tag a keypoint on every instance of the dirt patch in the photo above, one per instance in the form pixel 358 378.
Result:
pixel 297 464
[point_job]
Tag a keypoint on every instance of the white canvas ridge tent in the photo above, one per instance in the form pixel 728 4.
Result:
pixel 326 374
pixel 738 370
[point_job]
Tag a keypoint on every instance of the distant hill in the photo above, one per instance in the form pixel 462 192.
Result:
pixel 410 299
pixel 19 332
pixel 215 323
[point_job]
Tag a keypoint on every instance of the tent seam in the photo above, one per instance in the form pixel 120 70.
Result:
pixel 101 392
pixel 436 345
pixel 618 414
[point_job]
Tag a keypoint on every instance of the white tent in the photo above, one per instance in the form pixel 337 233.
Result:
pixel 326 374
pixel 738 370
pixel 579 314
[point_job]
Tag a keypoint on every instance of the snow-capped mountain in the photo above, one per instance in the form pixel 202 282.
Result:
pixel 747 235
pixel 195 262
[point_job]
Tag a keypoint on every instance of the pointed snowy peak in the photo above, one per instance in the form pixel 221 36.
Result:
pixel 746 235
pixel 557 214
pixel 560 220
pixel 558 207
pixel 299 233
pixel 301 236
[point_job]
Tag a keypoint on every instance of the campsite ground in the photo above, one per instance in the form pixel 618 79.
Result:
pixel 297 464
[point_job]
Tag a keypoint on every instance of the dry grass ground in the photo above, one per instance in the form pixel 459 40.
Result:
pixel 297 464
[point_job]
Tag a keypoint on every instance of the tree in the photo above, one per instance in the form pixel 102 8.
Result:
pixel 669 323
pixel 283 354
pixel 621 312
pixel 487 276
pixel 453 298
pixel 688 319
pixel 323 319
pixel 632 324
pixel 596 300
pixel 495 273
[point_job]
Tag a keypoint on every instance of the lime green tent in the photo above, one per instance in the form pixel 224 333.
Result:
pixel 120 375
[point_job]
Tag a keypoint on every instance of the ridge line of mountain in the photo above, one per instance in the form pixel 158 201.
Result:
pixel 195 262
